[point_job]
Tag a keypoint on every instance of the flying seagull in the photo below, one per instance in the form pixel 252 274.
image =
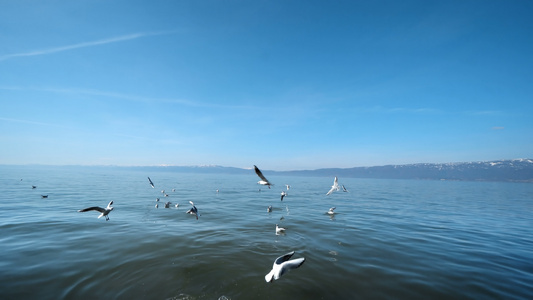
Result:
pixel 344 189
pixel 282 264
pixel 104 211
pixel 331 211
pixel 334 187
pixel 193 210
pixel 263 180
pixel 283 194
pixel 151 183
pixel 288 187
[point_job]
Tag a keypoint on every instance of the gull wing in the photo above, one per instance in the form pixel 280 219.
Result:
pixel 109 205
pixel 150 181
pixel 283 258
pixel 258 172
pixel 102 210
pixel 291 264
pixel 334 187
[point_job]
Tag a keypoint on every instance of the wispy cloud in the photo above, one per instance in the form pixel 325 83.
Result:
pixel 25 121
pixel 128 97
pixel 84 44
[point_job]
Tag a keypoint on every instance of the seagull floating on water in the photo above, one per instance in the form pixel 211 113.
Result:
pixel 151 183
pixel 167 205
pixel 282 264
pixel 263 180
pixel 104 211
pixel 279 230
pixel 44 196
pixel 269 208
pixel 283 194
pixel 33 186
pixel 193 210
pixel 334 187
pixel 331 211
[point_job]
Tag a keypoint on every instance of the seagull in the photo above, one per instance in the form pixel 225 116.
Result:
pixel 157 205
pixel 334 187
pixel 283 194
pixel 104 211
pixel 263 180
pixel 331 211
pixel 156 199
pixel 151 183
pixel 279 230
pixel 167 205
pixel 344 189
pixel 44 196
pixel 269 208
pixel 177 205
pixel 288 186
pixel 33 186
pixel 193 210
pixel 282 264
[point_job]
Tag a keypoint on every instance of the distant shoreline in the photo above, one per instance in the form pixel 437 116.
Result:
pixel 512 170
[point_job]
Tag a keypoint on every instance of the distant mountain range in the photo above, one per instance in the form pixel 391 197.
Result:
pixel 517 170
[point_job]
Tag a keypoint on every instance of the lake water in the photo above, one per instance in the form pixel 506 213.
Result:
pixel 391 239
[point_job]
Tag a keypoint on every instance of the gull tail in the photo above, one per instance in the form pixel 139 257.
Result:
pixel 269 276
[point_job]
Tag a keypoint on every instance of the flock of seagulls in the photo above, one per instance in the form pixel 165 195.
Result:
pixel 281 265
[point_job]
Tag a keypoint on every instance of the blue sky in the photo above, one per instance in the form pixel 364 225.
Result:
pixel 279 84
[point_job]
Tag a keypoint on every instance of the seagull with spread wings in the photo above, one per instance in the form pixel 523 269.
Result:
pixel 334 187
pixel 263 180
pixel 104 212
pixel 282 265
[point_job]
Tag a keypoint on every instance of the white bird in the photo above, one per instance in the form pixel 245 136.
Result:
pixel 282 264
pixel 279 230
pixel 331 211
pixel 269 208
pixel 104 211
pixel 334 187
pixel 156 205
pixel 263 180
pixel 288 186
pixel 151 183
pixel 283 194
pixel 193 210
pixel 177 205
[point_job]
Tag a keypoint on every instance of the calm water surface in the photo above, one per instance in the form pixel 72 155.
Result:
pixel 391 239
